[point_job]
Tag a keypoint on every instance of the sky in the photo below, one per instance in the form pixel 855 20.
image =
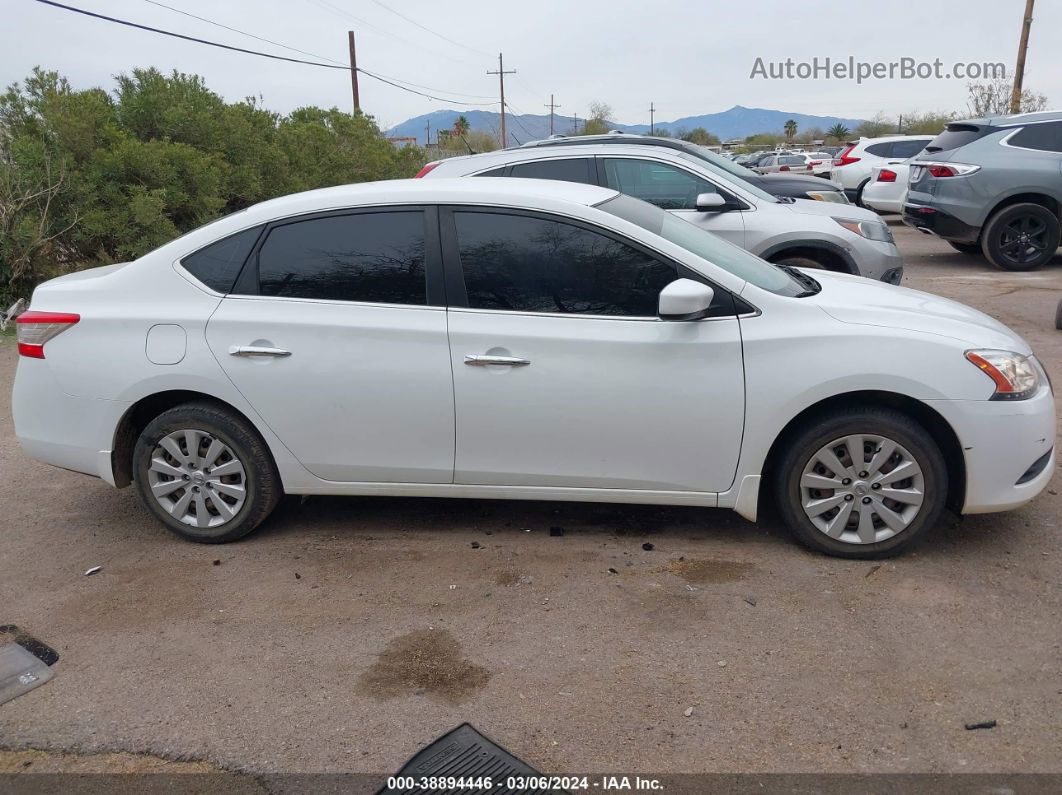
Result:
pixel 687 57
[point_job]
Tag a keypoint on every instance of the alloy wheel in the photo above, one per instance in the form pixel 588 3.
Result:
pixel 1023 239
pixel 197 478
pixel 862 489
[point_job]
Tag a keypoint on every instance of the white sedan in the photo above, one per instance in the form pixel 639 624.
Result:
pixel 887 188
pixel 523 339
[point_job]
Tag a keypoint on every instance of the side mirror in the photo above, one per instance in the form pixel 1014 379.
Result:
pixel 685 299
pixel 711 203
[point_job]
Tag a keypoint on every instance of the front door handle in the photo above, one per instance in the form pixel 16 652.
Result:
pixel 257 350
pixel 482 360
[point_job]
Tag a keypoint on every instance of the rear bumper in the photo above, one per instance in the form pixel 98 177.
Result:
pixel 937 222
pixel 56 428
pixel 1002 443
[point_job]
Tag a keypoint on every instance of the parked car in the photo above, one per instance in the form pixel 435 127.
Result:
pixel 851 168
pixel 797 187
pixel 796 232
pixel 887 188
pixel 821 164
pixel 522 339
pixel 993 187
pixel 791 162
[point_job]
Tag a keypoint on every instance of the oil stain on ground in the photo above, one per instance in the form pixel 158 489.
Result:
pixel 708 570
pixel 428 661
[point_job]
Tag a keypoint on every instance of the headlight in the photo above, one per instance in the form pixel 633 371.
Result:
pixel 871 230
pixel 1016 376
pixel 828 196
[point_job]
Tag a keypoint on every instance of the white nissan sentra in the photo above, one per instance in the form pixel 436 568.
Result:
pixel 523 339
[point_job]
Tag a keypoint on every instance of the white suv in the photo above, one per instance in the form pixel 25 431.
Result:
pixel 851 170
pixel 797 232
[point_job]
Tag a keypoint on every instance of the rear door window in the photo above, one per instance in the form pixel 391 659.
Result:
pixel 881 149
pixel 575 169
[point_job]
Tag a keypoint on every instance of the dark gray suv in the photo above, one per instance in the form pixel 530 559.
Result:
pixel 993 186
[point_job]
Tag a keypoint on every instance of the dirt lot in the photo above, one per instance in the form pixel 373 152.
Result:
pixel 346 633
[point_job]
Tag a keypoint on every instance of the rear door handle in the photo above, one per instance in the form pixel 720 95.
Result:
pixel 482 360
pixel 257 350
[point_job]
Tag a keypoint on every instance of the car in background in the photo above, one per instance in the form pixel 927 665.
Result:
pixel 850 170
pixel 795 186
pixel 993 187
pixel 887 188
pixel 821 164
pixel 527 340
pixel 794 162
pixel 715 197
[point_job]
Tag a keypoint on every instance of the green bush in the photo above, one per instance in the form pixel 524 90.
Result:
pixel 88 177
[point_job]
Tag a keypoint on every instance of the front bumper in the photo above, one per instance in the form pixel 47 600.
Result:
pixel 1001 442
pixel 937 222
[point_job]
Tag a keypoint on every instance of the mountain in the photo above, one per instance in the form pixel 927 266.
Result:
pixel 738 122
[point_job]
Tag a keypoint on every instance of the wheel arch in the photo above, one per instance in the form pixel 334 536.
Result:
pixel 933 423
pixel 1027 197
pixel 833 257
pixel 143 411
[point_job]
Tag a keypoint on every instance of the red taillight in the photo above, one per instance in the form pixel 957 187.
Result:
pixel 814 163
pixel 845 158
pixel 36 328
pixel 426 169
pixel 942 171
pixel 885 175
pixel 784 168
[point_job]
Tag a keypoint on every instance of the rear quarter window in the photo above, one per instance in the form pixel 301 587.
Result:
pixel 881 150
pixel 218 264
pixel 1045 137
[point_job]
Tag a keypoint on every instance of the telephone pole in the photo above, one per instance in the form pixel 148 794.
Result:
pixel 427 133
pixel 552 105
pixel 1019 69
pixel 501 73
pixel 353 72
pixel 652 116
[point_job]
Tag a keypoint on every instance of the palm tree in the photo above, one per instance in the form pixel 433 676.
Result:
pixel 461 126
pixel 838 132
pixel 790 129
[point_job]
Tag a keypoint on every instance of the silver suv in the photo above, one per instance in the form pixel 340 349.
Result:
pixel 797 232
pixel 992 186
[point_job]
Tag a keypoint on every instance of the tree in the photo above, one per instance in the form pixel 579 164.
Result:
pixel 790 129
pixel 838 132
pixel 461 126
pixel 992 98
pixel 915 123
pixel 876 127
pixel 699 135
pixel 599 121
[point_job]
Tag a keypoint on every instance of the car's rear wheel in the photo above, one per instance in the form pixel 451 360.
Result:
pixel 205 473
pixel 1021 237
pixel 973 249
pixel 864 483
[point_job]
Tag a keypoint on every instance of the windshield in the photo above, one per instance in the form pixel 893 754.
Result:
pixel 710 248
pixel 703 153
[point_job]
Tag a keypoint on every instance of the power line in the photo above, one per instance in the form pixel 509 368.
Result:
pixel 256 52
pixel 429 30
pixel 241 32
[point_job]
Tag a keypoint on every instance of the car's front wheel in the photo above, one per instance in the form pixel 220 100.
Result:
pixel 205 473
pixel 863 483
pixel 1021 237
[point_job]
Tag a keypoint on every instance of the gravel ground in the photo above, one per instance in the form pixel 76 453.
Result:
pixel 346 633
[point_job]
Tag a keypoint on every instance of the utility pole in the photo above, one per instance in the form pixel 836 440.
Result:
pixel 501 73
pixel 652 117
pixel 552 105
pixel 1019 69
pixel 353 72
pixel 427 133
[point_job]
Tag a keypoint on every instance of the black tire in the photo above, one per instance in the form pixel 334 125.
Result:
pixel 259 477
pixel 859 194
pixel 883 422
pixel 1001 242
pixel 972 249
pixel 800 262
pixel 1058 316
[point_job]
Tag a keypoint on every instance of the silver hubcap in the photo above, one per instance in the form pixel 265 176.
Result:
pixel 862 489
pixel 197 478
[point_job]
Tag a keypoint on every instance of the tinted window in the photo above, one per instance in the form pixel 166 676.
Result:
pixel 907 149
pixel 954 136
pixel 529 264
pixel 376 257
pixel 881 150
pixel 218 265
pixel 666 186
pixel 571 170
pixel 494 172
pixel 791 160
pixel 1046 136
